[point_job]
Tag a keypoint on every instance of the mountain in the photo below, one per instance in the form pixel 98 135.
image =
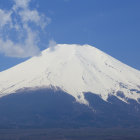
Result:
pixel 70 85
pixel 75 69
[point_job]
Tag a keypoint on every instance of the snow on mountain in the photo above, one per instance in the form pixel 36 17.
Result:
pixel 75 69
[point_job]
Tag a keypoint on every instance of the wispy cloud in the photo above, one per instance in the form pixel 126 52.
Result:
pixel 19 30
pixel 52 45
pixel 21 4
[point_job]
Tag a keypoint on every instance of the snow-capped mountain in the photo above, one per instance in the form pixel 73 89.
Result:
pixel 76 70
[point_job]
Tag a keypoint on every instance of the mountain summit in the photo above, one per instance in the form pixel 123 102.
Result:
pixel 74 69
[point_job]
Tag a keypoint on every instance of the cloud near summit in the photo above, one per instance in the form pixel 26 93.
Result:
pixel 19 30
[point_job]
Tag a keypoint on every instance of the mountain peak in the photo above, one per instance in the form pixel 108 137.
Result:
pixel 76 70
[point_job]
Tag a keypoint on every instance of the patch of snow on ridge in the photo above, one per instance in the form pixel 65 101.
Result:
pixel 75 69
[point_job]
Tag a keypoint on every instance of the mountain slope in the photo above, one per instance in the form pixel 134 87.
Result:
pixel 75 69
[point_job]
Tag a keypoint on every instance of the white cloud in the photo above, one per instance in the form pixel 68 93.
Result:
pixel 21 4
pixel 26 49
pixel 12 49
pixel 52 45
pixel 5 17
pixel 33 16
pixel 18 18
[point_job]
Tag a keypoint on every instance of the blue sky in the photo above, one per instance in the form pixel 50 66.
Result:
pixel 110 25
